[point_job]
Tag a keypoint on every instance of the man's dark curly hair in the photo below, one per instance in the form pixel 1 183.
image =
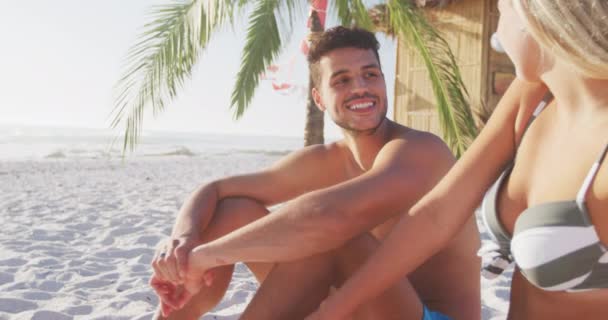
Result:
pixel 338 38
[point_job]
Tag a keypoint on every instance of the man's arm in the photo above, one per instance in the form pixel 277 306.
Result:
pixel 325 219
pixel 291 176
pixel 442 212
pixel 295 174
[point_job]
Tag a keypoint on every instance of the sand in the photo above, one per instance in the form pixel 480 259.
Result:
pixel 78 235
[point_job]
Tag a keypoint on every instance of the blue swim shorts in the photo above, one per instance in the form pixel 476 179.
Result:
pixel 433 315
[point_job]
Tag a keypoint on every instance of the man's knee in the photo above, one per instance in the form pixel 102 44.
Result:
pixel 231 214
pixel 362 245
pixel 240 210
pixel 355 253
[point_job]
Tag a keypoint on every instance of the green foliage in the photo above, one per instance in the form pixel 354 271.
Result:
pixel 163 58
pixel 455 116
pixel 353 13
pixel 171 44
pixel 261 48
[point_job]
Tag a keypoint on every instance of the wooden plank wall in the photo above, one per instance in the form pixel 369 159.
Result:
pixel 466 25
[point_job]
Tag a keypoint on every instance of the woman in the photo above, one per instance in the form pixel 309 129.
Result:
pixel 550 204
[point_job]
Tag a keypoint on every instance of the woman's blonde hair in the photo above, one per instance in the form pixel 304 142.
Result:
pixel 573 30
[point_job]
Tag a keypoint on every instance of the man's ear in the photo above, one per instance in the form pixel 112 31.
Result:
pixel 316 96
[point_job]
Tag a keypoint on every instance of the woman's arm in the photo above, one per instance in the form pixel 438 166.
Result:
pixel 439 215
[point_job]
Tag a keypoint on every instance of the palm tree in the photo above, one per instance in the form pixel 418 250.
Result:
pixel 178 32
pixel 313 130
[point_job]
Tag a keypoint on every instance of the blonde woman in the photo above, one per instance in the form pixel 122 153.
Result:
pixel 549 208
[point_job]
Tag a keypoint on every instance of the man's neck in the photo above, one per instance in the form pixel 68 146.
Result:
pixel 364 146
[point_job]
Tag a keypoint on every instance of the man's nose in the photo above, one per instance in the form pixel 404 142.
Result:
pixel 360 85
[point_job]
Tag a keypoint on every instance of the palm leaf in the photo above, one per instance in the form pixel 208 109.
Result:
pixel 455 116
pixel 163 58
pixel 353 12
pixel 262 46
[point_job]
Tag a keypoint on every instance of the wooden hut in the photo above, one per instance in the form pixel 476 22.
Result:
pixel 467 26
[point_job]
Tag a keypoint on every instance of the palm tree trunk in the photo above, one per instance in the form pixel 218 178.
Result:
pixel 313 132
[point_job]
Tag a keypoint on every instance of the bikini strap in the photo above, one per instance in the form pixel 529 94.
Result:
pixel 539 108
pixel 582 193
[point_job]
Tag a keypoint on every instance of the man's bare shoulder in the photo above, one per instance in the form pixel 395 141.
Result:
pixel 311 167
pixel 317 152
pixel 419 146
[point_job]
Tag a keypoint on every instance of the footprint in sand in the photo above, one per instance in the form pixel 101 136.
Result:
pixel 94 284
pixel 145 296
pixel 14 262
pixel 79 310
pixel 16 305
pixel 16 245
pixel 50 286
pixel 6 278
pixel 233 298
pixel 125 254
pixel 146 316
pixel 141 268
pixel 110 276
pixel 38 295
pixel 84 226
pixel 50 315
pixel 150 241
pixel 123 287
pixel 48 263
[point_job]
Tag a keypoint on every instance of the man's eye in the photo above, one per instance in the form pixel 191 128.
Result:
pixel 342 81
pixel 371 75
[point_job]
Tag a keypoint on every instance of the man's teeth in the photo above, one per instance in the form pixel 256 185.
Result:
pixel 361 105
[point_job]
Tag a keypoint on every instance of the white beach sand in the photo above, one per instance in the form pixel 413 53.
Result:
pixel 78 235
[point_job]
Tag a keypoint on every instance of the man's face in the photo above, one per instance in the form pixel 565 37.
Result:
pixel 352 89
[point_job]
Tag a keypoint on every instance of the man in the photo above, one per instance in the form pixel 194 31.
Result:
pixel 344 198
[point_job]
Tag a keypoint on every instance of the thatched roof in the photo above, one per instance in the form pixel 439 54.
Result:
pixel 380 15
pixel 433 3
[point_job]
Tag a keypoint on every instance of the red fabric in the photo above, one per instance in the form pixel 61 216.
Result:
pixel 281 86
pixel 273 68
pixel 320 6
pixel 304 47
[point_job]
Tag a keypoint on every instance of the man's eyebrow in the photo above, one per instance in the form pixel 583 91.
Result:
pixel 337 73
pixel 371 66
pixel 343 71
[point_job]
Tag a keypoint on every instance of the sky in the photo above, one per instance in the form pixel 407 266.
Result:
pixel 60 61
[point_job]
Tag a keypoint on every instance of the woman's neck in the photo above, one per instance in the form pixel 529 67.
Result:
pixel 579 99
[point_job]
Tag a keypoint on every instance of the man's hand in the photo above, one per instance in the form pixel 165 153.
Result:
pixel 170 261
pixel 175 294
pixel 200 272
pixel 173 297
pixel 170 265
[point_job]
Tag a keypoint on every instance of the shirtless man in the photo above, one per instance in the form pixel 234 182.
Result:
pixel 339 201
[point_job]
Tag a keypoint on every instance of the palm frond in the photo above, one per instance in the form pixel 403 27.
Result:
pixel 380 17
pixel 163 58
pixel 455 116
pixel 290 12
pixel 262 46
pixel 343 11
pixel 353 13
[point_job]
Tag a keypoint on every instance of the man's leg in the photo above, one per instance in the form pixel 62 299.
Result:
pixel 294 290
pixel 399 302
pixel 230 215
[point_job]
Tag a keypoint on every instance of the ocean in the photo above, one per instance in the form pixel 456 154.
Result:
pixel 19 142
